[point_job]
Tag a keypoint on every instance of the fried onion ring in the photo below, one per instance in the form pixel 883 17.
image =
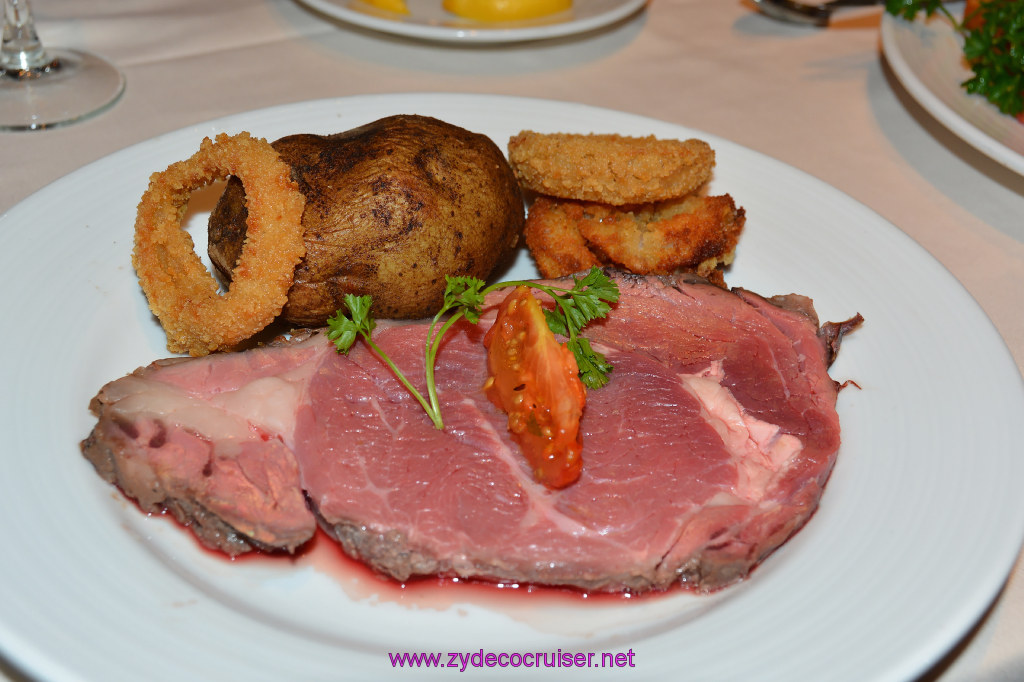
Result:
pixel 182 293
pixel 552 235
pixel 694 234
pixel 610 169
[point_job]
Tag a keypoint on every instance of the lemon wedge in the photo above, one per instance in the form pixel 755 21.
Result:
pixel 505 10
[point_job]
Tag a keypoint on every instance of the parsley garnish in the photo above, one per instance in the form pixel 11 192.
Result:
pixel 590 298
pixel 993 48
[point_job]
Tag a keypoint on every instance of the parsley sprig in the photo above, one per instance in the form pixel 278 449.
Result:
pixel 589 298
pixel 993 47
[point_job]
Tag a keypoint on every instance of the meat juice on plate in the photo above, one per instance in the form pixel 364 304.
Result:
pixel 343 585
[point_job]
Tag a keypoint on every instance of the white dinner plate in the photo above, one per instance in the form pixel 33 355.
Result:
pixel 927 57
pixel 917 530
pixel 427 20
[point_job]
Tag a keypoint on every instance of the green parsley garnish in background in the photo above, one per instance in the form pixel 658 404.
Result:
pixel 994 47
pixel 588 299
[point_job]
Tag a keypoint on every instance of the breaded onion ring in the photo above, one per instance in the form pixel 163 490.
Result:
pixel 182 293
pixel 552 235
pixel 610 169
pixel 693 234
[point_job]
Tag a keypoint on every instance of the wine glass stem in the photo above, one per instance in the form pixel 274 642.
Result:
pixel 21 53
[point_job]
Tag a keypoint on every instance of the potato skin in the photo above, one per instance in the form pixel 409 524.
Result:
pixel 392 207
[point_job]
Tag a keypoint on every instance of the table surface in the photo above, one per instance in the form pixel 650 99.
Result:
pixel 823 101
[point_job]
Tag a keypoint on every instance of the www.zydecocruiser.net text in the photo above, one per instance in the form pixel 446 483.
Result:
pixel 464 660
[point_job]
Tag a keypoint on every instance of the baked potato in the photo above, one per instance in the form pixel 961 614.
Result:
pixel 392 207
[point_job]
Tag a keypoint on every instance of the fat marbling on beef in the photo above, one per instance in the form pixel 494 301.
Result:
pixel 709 447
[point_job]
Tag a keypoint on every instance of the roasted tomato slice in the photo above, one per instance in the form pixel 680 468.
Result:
pixel 535 381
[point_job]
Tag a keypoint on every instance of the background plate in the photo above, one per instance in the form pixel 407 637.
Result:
pixel 927 57
pixel 427 20
pixel 917 531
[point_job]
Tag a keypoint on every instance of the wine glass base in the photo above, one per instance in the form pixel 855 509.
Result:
pixel 79 86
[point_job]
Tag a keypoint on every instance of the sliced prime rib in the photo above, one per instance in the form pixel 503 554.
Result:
pixel 709 447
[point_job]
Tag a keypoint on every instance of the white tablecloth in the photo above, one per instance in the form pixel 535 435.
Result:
pixel 821 100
